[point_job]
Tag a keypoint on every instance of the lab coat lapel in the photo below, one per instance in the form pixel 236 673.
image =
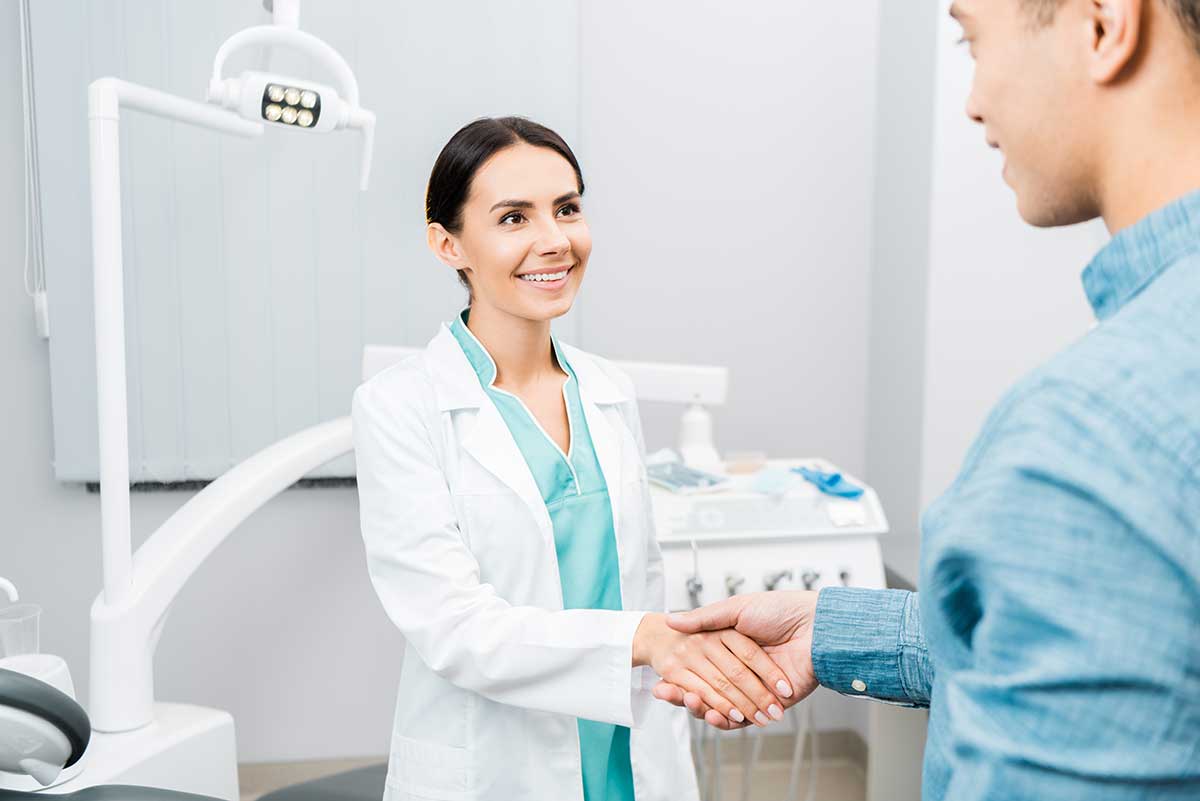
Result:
pixel 607 442
pixel 490 442
pixel 492 445
pixel 597 392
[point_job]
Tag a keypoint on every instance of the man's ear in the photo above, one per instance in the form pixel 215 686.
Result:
pixel 446 247
pixel 1116 35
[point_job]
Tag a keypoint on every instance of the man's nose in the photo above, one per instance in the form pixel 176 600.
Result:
pixel 972 109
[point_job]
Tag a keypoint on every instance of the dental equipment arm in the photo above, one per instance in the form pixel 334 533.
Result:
pixel 106 97
pixel 124 634
pixel 127 617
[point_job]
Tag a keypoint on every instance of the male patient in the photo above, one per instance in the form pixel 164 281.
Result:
pixel 1056 637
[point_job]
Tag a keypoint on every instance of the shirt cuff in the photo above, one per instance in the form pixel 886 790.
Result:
pixel 870 643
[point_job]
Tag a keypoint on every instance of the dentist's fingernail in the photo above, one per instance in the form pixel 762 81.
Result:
pixel 784 689
pixel 737 715
pixel 775 711
pixel 761 718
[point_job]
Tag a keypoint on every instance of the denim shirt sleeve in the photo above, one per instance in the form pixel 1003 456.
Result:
pixel 870 643
pixel 1059 591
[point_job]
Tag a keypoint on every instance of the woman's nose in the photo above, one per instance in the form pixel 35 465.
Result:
pixel 552 241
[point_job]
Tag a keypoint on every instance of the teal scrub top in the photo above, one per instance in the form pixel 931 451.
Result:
pixel 576 497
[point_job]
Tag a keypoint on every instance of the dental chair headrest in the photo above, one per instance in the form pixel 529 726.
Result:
pixel 18 691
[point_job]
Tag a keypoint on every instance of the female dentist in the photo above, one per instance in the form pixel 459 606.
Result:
pixel 507 521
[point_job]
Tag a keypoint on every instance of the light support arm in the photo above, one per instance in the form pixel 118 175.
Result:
pixel 125 633
pixel 106 98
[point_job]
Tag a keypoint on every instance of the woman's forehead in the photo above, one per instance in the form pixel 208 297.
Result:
pixel 524 172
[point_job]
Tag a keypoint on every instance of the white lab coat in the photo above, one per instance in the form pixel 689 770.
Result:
pixel 461 552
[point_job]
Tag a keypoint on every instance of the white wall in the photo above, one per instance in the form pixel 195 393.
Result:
pixel 900 271
pixel 729 150
pixel 730 161
pixel 967 298
pixel 1003 296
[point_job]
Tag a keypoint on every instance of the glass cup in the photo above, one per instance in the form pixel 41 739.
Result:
pixel 19 629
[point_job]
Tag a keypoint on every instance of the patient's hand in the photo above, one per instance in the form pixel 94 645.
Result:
pixel 727 671
pixel 781 622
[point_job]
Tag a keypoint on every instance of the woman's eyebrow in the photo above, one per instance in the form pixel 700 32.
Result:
pixel 512 204
pixel 525 204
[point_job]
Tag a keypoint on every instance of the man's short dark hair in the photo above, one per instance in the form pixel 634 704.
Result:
pixel 1187 11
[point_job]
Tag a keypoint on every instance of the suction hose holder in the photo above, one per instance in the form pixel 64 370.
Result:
pixel 295 103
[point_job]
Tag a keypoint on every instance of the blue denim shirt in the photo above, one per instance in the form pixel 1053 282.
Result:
pixel 1056 637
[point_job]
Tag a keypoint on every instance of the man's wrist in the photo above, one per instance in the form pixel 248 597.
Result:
pixel 856 641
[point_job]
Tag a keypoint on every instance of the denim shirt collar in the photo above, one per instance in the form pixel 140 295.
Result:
pixel 1140 253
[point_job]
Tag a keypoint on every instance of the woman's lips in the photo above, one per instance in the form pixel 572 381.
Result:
pixel 548 286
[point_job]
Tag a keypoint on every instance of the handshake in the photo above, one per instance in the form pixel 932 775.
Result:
pixel 734 663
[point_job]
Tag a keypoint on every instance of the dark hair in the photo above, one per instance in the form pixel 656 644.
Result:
pixel 1186 11
pixel 466 152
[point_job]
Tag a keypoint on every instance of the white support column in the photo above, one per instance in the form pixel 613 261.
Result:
pixel 108 277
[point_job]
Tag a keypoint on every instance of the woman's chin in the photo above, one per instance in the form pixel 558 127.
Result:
pixel 541 304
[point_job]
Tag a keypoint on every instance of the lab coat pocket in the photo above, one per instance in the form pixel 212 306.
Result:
pixel 499 529
pixel 424 770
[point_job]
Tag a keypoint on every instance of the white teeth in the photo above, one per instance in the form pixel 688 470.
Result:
pixel 545 276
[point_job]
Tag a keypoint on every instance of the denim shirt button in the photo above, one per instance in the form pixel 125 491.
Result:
pixel 859 685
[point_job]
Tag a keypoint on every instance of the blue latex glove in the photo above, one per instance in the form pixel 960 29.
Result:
pixel 830 483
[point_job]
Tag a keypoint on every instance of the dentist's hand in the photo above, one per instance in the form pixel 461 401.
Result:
pixel 725 670
pixel 781 622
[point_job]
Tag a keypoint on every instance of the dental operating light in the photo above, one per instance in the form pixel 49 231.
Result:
pixel 129 614
pixel 295 103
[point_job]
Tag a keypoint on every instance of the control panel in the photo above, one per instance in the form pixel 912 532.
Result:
pixel 741 540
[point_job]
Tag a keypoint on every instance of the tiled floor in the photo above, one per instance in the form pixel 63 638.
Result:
pixel 839 778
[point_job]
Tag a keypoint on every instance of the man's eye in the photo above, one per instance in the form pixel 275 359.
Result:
pixel 568 210
pixel 512 218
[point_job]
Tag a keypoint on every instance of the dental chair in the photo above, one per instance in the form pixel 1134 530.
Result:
pixel 43 730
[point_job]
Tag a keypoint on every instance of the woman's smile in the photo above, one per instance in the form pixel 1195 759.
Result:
pixel 548 279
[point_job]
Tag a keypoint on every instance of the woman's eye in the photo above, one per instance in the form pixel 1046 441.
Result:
pixel 568 210
pixel 512 218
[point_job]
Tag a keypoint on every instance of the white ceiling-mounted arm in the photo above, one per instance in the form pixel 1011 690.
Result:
pixel 284 13
pixel 364 121
pixel 294 103
pixel 269 36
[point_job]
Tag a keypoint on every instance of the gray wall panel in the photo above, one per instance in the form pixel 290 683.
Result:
pixel 255 271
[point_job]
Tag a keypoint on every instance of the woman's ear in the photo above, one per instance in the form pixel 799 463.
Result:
pixel 446 247
pixel 1117 29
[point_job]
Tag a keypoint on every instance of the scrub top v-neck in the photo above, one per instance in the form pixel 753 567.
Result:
pixel 576 496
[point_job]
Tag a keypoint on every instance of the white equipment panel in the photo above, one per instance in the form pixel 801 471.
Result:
pixel 742 540
pixel 739 541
